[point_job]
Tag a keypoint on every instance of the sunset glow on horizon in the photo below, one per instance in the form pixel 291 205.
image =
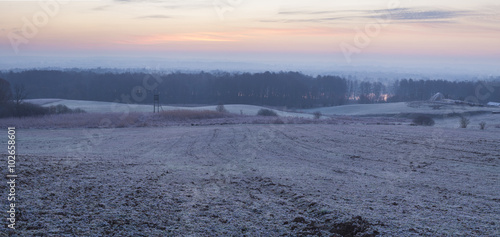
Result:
pixel 337 29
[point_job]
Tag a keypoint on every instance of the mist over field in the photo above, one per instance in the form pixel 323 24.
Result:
pixel 371 69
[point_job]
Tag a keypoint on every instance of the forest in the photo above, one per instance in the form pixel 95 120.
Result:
pixel 290 89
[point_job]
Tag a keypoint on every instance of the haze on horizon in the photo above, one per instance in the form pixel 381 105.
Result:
pixel 442 35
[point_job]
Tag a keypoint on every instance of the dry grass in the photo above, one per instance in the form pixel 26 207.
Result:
pixel 113 120
pixel 183 115
pixel 85 120
pixel 172 118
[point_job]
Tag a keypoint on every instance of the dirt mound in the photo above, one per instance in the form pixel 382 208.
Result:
pixel 355 226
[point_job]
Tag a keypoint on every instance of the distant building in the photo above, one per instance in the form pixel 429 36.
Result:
pixel 497 104
pixel 437 97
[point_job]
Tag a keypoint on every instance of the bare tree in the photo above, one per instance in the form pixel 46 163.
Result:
pixel 20 94
pixel 464 122
pixel 317 114
pixel 221 109
pixel 482 125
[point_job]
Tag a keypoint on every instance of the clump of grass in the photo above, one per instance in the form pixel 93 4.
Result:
pixel 267 112
pixel 482 125
pixel 130 120
pixel 323 212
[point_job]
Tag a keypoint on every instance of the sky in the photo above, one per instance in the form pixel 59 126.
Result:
pixel 284 34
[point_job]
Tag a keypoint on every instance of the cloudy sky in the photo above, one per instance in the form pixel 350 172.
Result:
pixel 341 32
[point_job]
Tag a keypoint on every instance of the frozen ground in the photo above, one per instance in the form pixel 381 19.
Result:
pixel 258 180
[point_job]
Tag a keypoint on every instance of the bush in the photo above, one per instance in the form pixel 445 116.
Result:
pixel 58 109
pixel 423 120
pixel 63 109
pixel 464 122
pixel 266 112
pixel 78 111
pixel 11 109
pixel 482 125
pixel 317 114
pixel 221 109
pixel 28 110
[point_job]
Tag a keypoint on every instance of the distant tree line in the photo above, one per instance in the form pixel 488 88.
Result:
pixel 291 89
pixel 475 91
pixel 12 103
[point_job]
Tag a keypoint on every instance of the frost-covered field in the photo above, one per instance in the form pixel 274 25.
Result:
pixel 397 108
pixel 106 107
pixel 385 109
pixel 258 180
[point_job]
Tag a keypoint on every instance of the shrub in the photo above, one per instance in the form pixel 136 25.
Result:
pixel 266 112
pixel 63 109
pixel 27 109
pixel 423 120
pixel 464 122
pixel 317 114
pixel 11 109
pixel 221 109
pixel 78 111
pixel 482 125
pixel 59 109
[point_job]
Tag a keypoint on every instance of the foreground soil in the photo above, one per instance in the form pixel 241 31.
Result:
pixel 258 180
